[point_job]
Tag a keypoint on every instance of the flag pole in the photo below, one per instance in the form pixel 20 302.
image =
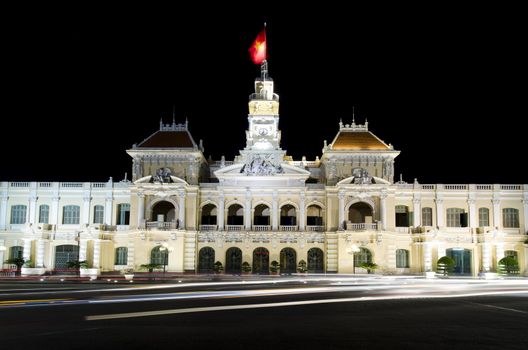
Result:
pixel 264 65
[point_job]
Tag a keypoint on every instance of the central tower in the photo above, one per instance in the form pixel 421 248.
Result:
pixel 263 136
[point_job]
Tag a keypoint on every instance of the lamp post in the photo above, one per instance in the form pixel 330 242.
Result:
pixel 165 247
pixel 352 250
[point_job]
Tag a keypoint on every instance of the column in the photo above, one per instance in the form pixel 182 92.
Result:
pixel 96 254
pixel 383 210
pixel 26 254
pixel 428 256
pixel 499 252
pixel 221 212
pixel 473 223
pixel 486 257
pixel 54 211
pixel 275 212
pixel 302 212
pixel 85 218
pixel 417 211
pixel 83 247
pixel 525 206
pixel 3 212
pixel 525 259
pixel 341 196
pixel 39 261
pixel 181 207
pixel 131 253
pixel 141 210
pixel 496 214
pixel 2 253
pixel 108 210
pixel 32 209
pixel 248 211
pixel 440 212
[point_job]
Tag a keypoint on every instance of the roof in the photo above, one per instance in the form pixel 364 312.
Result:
pixel 358 140
pixel 168 139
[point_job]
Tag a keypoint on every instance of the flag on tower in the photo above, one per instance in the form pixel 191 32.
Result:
pixel 257 51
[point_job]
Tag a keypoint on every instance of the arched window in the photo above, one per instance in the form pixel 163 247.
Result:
pixel 98 216
pixel 288 215
pixel 71 214
pixel 121 256
pixel 262 215
pixel 314 216
pixel 16 252
pixel 483 217
pixel 44 214
pixel 402 258
pixel 18 214
pixel 235 215
pixel 363 256
pixel 510 218
pixel 158 256
pixel 456 217
pixel 360 213
pixel 209 214
pixel 164 211
pixel 427 216
pixel 123 214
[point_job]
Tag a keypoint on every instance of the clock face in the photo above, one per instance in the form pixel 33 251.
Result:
pixel 263 131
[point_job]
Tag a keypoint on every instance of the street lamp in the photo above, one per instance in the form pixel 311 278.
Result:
pixel 165 247
pixel 352 250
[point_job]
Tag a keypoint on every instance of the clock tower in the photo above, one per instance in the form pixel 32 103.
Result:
pixel 263 135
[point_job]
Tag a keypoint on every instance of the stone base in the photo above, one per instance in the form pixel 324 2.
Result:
pixel 92 273
pixel 489 275
pixel 430 274
pixel 35 271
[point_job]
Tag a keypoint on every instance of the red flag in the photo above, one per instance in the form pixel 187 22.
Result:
pixel 257 51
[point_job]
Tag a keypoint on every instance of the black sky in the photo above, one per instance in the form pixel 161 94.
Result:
pixel 445 86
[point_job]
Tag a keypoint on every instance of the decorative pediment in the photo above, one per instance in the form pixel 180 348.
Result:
pixel 237 170
pixel 149 180
pixel 290 176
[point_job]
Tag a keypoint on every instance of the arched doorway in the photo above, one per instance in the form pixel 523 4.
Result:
pixel 233 261
pixel 209 214
pixel 235 215
pixel 288 260
pixel 262 215
pixel 462 259
pixel 363 256
pixel 206 259
pixel 315 261
pixel 261 261
pixel 288 215
pixel 360 213
pixel 163 212
pixel 64 254
pixel 158 256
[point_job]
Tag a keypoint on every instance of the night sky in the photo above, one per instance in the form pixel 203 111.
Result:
pixel 445 86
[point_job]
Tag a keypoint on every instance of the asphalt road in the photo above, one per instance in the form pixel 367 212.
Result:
pixel 300 314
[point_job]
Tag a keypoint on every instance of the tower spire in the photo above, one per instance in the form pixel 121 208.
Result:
pixel 174 115
pixel 353 115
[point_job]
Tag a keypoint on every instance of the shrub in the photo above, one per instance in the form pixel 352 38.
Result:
pixel 274 266
pixel 444 265
pixel 150 267
pixel 78 264
pixel 218 267
pixel 246 267
pixel 369 266
pixel 301 266
pixel 508 265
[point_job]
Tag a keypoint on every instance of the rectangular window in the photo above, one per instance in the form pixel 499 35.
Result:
pixel 427 216
pixel 402 258
pixel 123 214
pixel 98 217
pixel 121 255
pixel 44 214
pixel 510 218
pixel 454 217
pixel 483 217
pixel 18 214
pixel 71 214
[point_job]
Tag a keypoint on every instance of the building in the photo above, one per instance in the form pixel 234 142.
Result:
pixel 334 212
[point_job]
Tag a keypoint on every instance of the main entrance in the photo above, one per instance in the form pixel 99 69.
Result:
pixel 315 261
pixel 288 260
pixel 206 260
pixel 462 259
pixel 233 261
pixel 261 261
pixel 64 254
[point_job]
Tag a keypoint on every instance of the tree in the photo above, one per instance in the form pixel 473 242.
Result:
pixel 19 262
pixel 444 265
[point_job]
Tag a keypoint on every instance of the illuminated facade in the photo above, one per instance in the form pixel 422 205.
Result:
pixel 334 212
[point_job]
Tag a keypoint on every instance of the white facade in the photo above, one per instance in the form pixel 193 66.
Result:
pixel 264 206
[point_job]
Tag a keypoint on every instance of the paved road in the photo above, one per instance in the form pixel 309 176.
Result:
pixel 333 313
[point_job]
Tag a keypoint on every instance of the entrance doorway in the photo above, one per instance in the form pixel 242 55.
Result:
pixel 462 259
pixel 288 260
pixel 233 261
pixel 261 261
pixel 206 260
pixel 64 254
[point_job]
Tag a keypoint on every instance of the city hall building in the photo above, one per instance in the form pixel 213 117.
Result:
pixel 334 212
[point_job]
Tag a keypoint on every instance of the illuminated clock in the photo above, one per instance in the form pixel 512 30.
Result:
pixel 263 131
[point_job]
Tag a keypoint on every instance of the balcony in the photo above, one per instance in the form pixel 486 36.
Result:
pixel 288 228
pixel 260 228
pixel 235 227
pixel 160 225
pixel 208 227
pixel 361 226
pixel 315 228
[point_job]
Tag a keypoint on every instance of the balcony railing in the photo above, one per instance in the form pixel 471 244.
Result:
pixel 315 228
pixel 261 228
pixel 160 225
pixel 287 228
pixel 235 227
pixel 361 226
pixel 208 227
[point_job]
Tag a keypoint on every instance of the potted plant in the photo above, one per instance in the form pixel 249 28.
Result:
pixel 246 268
pixel 128 273
pixel 218 267
pixel 508 266
pixel 445 265
pixel 274 267
pixel 301 267
pixel 150 267
pixel 369 266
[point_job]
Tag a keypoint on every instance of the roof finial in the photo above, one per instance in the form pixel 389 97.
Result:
pixel 161 122
pixel 174 115
pixel 186 123
pixel 401 177
pixel 340 123
pixel 353 115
